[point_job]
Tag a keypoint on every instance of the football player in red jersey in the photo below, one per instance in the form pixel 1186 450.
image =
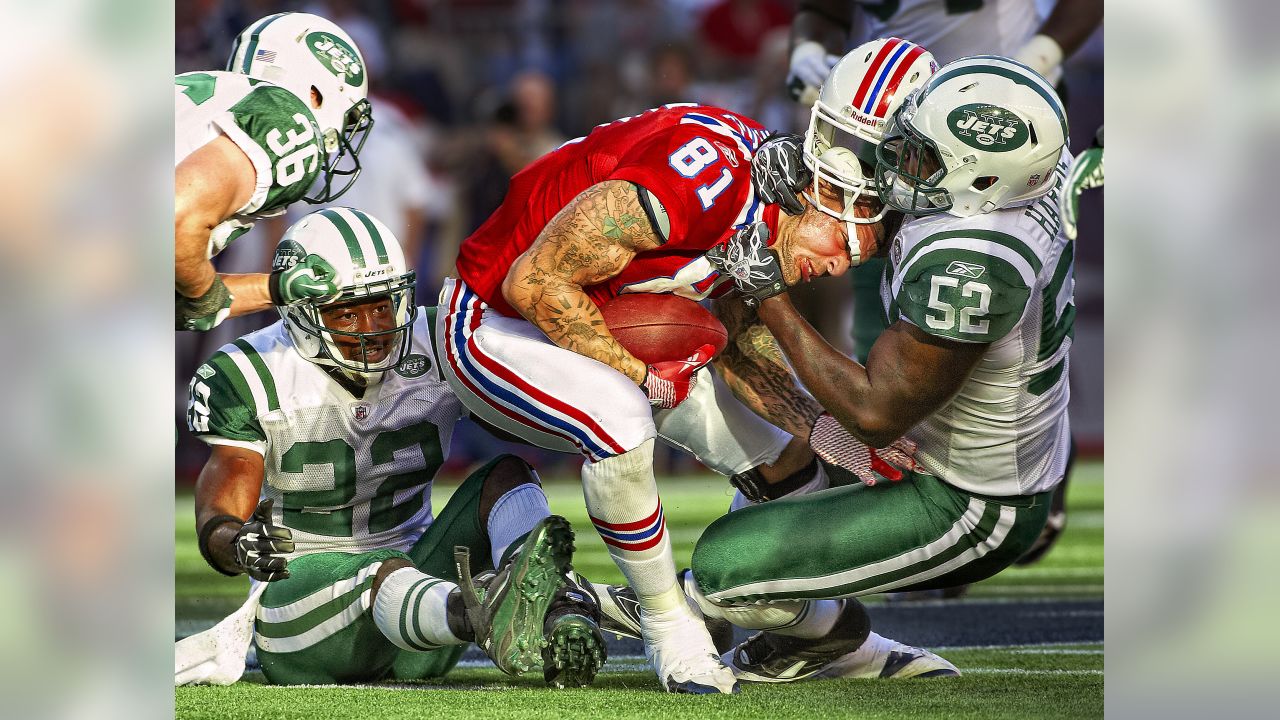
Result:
pixel 634 207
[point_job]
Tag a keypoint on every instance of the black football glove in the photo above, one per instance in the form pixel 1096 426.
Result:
pixel 260 546
pixel 778 172
pixel 747 260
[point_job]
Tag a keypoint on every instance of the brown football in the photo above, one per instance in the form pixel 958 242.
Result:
pixel 656 328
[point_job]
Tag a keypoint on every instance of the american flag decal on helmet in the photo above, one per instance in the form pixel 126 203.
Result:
pixel 887 69
pixel 265 55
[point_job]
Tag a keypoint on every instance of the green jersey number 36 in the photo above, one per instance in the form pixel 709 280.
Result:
pixel 294 148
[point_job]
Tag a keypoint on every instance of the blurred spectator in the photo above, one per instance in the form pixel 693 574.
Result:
pixel 534 98
pixel 734 30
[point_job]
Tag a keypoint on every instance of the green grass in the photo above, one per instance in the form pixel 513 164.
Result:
pixel 1058 681
pixel 1041 682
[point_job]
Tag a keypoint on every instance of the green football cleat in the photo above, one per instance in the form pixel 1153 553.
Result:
pixel 575 649
pixel 508 610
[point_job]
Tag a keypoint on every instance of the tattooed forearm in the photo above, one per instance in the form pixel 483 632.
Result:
pixel 589 241
pixel 754 368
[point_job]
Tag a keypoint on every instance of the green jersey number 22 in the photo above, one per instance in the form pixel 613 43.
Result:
pixel 329 512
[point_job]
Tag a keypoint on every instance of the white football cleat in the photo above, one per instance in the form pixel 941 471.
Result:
pixel 680 650
pixel 880 657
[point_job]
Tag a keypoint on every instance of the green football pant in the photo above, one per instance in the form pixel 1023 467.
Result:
pixel 916 534
pixel 317 626
pixel 868 309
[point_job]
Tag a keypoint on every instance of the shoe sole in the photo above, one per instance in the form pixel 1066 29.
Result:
pixel 575 653
pixel 537 572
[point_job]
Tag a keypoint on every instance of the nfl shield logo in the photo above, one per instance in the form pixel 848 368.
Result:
pixel 361 411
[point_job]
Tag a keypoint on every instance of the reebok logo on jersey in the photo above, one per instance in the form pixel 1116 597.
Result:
pixel 964 269
pixel 205 371
pixel 988 127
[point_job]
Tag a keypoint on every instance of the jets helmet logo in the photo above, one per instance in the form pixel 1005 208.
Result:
pixel 334 53
pixel 988 127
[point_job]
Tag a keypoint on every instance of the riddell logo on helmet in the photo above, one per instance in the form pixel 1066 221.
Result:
pixel 988 127
pixel 334 53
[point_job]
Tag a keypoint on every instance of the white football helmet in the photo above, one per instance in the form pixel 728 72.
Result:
pixel 984 133
pixel 369 263
pixel 847 122
pixel 301 52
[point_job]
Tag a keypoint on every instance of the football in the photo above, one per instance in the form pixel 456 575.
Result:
pixel 656 328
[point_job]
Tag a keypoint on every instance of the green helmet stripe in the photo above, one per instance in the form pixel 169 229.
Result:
pixel 253 40
pixel 1004 72
pixel 268 383
pixel 379 246
pixel 348 234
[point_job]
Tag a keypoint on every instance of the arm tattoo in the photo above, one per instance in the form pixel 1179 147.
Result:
pixel 590 240
pixel 753 367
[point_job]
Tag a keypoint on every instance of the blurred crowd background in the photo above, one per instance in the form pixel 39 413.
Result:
pixel 466 93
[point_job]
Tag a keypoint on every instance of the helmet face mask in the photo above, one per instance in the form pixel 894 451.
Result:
pixel 369 267
pixel 909 168
pixel 334 344
pixel 319 63
pixel 346 146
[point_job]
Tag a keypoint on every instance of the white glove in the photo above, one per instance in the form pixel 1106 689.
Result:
pixel 1044 55
pixel 810 65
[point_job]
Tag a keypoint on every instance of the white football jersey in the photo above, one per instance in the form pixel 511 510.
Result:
pixel 1004 278
pixel 952 29
pixel 347 474
pixel 271 125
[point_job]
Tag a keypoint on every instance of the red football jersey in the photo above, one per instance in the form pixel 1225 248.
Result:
pixel 695 159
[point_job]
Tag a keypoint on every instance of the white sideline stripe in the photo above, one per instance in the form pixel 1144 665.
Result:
pixel 1021 671
pixel 301 642
pixel 298 608
pixel 966 524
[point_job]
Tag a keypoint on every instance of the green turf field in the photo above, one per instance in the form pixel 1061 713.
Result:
pixel 1012 681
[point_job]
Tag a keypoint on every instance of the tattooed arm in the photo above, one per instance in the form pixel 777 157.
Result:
pixel 753 367
pixel 589 241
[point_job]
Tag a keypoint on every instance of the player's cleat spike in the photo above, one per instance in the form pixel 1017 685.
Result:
pixel 880 657
pixel 771 658
pixel 620 612
pixel 507 608
pixel 680 651
pixel 575 649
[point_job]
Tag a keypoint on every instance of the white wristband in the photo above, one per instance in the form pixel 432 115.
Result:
pixel 1042 54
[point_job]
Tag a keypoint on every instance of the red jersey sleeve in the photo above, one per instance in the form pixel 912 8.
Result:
pixel 702 179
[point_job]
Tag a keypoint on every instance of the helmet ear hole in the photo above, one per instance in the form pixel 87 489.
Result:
pixel 317 97
pixel 983 183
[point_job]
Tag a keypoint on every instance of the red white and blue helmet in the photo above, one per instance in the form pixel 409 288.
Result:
pixel 857 101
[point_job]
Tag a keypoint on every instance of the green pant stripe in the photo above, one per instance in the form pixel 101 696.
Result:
pixel 324 611
pixel 967 522
pixel 990 515
pixel 296 608
pixel 304 640
pixel 1002 521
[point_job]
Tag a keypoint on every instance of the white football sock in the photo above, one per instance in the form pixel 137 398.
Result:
pixel 410 610
pixel 796 618
pixel 622 500
pixel 513 517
